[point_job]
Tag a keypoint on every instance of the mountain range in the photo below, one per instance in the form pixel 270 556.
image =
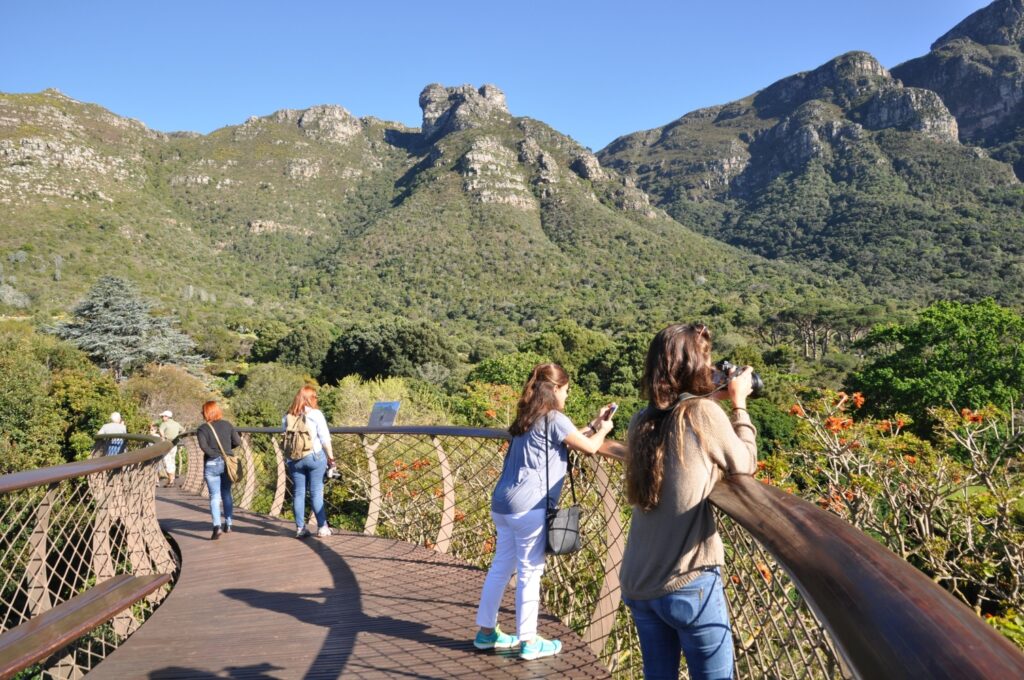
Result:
pixel 906 180
pixel 849 182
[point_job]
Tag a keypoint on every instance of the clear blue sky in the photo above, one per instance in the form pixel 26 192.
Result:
pixel 592 69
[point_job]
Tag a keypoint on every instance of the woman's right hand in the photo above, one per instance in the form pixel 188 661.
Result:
pixel 740 386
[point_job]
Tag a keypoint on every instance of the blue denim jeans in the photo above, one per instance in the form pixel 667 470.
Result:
pixel 219 486
pixel 309 473
pixel 693 620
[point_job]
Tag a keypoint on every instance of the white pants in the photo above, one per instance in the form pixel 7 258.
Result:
pixel 170 464
pixel 519 550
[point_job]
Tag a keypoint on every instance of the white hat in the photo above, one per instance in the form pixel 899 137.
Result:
pixel 115 417
pixel 167 413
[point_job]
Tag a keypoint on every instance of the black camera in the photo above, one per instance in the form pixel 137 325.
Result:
pixel 721 377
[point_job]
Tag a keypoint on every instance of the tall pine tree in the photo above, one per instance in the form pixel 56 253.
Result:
pixel 113 325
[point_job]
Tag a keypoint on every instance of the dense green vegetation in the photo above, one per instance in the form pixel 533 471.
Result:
pixel 53 400
pixel 953 355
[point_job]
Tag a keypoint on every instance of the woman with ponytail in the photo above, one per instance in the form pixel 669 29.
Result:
pixel 541 437
pixel 679 447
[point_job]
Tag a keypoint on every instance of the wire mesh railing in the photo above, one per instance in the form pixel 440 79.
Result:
pixel 432 485
pixel 68 528
pixel 803 586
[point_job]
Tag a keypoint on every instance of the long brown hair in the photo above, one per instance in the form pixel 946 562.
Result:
pixel 306 396
pixel 678 362
pixel 538 396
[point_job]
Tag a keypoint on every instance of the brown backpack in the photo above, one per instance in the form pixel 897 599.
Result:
pixel 297 442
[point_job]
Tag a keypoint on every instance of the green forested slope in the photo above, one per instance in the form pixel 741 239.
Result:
pixel 482 221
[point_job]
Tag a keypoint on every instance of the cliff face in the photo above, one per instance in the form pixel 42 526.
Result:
pixel 977 68
pixel 715 152
pixel 845 168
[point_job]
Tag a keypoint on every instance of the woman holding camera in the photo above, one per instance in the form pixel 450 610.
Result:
pixel 537 456
pixel 679 447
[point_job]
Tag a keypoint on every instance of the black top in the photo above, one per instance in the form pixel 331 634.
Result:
pixel 229 438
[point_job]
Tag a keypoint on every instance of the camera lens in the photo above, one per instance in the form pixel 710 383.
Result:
pixel 721 376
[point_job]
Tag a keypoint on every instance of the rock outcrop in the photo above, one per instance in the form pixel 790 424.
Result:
pixel 449 109
pixel 1000 23
pixel 492 175
pixel 740 147
pixel 977 68
pixel 911 108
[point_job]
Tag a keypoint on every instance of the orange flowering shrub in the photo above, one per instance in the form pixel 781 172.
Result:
pixel 954 507
pixel 487 405
pixel 971 416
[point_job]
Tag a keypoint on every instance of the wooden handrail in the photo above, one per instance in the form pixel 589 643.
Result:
pixel 49 475
pixel 47 633
pixel 887 619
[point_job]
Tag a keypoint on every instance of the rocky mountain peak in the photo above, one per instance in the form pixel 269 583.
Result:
pixel 447 109
pixel 1001 23
pixel 843 81
pixel 326 122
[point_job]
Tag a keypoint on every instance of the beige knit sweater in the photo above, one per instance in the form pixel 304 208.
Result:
pixel 669 544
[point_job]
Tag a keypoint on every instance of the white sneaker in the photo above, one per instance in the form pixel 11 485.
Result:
pixel 323 531
pixel 301 532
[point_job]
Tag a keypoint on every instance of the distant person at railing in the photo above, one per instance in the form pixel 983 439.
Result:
pixel 216 437
pixel 541 434
pixel 308 472
pixel 678 448
pixel 115 426
pixel 170 429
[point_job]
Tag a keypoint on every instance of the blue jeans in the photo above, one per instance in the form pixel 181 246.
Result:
pixel 219 486
pixel 309 473
pixel 694 620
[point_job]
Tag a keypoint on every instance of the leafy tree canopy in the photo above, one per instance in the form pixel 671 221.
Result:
pixel 306 346
pixel 506 369
pixel 390 348
pixel 113 325
pixel 964 355
pixel 266 394
pixel 53 400
pixel 568 344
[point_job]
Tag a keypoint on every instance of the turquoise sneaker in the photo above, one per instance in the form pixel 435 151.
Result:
pixel 538 647
pixel 496 640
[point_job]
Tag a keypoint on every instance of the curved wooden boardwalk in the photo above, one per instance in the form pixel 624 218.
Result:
pixel 260 604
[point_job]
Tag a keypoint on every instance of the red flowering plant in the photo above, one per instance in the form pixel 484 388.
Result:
pixel 842 461
pixel 953 507
pixel 487 405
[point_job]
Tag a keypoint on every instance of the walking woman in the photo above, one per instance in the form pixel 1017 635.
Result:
pixel 541 434
pixel 216 438
pixel 307 471
pixel 679 447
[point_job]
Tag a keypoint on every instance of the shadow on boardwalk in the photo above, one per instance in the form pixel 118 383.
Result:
pixel 260 604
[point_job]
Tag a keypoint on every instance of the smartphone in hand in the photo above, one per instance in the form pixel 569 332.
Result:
pixel 611 411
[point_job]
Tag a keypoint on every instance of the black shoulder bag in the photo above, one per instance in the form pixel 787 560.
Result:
pixel 563 524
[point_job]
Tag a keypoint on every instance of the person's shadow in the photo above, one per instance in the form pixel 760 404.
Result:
pixel 259 671
pixel 339 609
